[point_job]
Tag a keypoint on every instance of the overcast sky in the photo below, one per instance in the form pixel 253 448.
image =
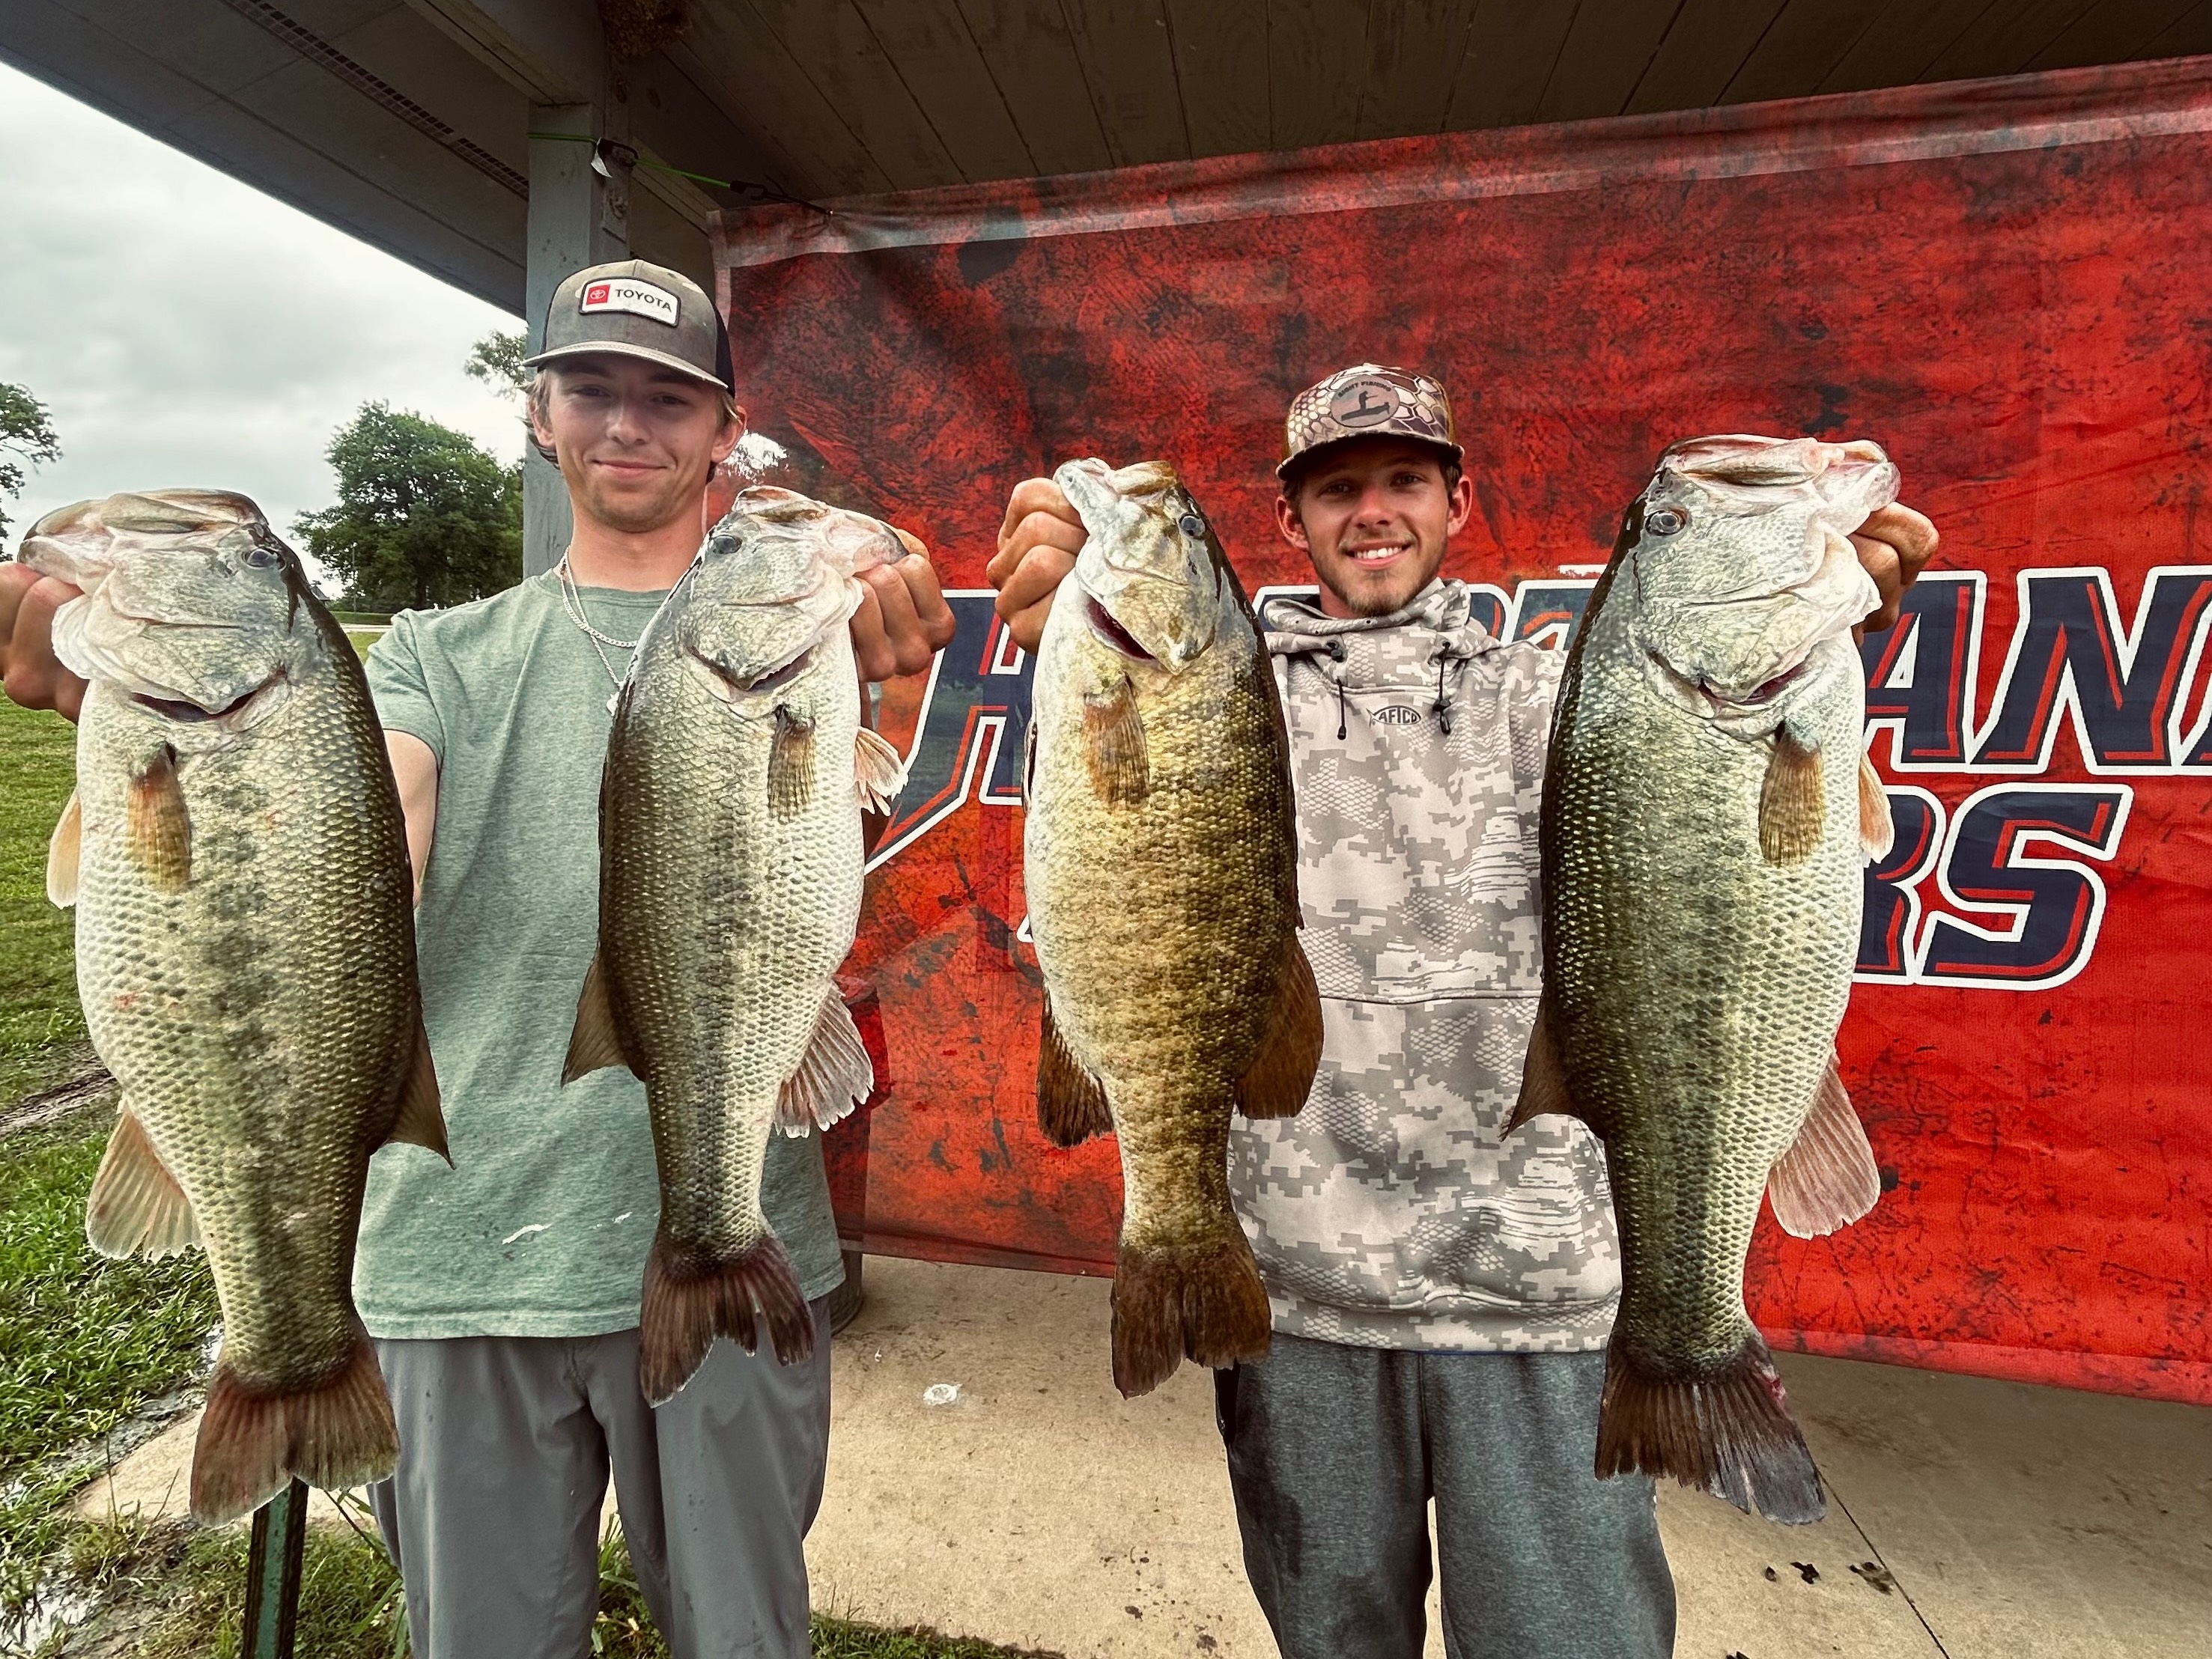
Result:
pixel 185 329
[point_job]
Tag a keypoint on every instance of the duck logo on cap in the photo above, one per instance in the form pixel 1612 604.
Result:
pixel 628 293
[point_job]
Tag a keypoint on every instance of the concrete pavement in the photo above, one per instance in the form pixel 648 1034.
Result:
pixel 1034 1506
pixel 1970 1519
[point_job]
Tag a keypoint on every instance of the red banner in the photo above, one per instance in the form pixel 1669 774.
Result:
pixel 2003 282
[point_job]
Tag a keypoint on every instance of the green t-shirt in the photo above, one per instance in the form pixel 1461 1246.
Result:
pixel 541 1226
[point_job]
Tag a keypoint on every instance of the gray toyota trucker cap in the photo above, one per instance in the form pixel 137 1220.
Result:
pixel 638 309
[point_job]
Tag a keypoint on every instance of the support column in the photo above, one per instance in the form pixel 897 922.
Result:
pixel 578 215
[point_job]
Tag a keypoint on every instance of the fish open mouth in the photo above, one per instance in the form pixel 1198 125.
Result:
pixel 1720 700
pixel 191 714
pixel 776 679
pixel 1773 689
pixel 1103 624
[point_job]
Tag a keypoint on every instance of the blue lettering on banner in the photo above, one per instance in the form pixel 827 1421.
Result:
pixel 2015 863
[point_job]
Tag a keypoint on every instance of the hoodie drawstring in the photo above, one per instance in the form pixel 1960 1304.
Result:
pixel 1337 654
pixel 1443 708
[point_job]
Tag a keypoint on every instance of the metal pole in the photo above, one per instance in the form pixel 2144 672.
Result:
pixel 272 1574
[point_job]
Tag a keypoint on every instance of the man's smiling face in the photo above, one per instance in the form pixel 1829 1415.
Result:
pixel 1375 516
pixel 636 440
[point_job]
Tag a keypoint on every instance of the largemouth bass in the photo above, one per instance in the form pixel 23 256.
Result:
pixel 246 957
pixel 1707 811
pixel 729 871
pixel 1160 858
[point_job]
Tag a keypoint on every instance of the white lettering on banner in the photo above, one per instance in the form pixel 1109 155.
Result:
pixel 628 293
pixel 2018 892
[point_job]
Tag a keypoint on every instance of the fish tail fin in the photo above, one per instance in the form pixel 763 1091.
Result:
pixel 690 1302
pixel 1202 1300
pixel 1728 1431
pixel 253 1441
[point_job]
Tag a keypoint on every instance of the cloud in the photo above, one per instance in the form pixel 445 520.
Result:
pixel 185 329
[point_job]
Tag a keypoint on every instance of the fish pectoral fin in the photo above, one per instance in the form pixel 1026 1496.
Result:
pixel 878 773
pixel 597 1041
pixel 422 1119
pixel 1114 746
pixel 62 855
pixel 1543 1077
pixel 157 828
pixel 834 1076
pixel 136 1207
pixel 1877 830
pixel 1791 808
pixel 790 766
pixel 1828 1178
pixel 1281 1074
pixel 1071 1104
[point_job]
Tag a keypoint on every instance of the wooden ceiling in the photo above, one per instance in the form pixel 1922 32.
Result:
pixel 843 97
pixel 407 122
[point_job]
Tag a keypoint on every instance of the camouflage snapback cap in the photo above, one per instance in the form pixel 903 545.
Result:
pixel 635 308
pixel 1367 401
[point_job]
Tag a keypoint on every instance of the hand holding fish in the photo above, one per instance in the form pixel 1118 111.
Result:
pixel 903 621
pixel 1043 533
pixel 1038 545
pixel 34 676
pixel 1894 545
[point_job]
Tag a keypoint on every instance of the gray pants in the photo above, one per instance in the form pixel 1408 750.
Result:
pixel 1334 1453
pixel 505 1443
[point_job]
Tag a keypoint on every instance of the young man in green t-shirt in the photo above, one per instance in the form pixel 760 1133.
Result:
pixel 503 1292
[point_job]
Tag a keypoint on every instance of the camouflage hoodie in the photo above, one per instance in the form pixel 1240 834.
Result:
pixel 1387 1213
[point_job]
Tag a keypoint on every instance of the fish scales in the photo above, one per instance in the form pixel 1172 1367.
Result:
pixel 256 999
pixel 1159 864
pixel 1146 907
pixel 1694 979
pixel 731 874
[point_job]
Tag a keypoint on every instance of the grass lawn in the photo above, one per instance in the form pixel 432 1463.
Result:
pixel 41 1031
pixel 184 1597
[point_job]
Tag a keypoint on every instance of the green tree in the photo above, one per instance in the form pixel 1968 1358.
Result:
pixel 496 360
pixel 27 438
pixel 424 516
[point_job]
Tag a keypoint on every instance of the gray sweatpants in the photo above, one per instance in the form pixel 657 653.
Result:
pixel 504 1446
pixel 1334 1453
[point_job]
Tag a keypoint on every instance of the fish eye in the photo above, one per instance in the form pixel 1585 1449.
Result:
pixel 1666 522
pixel 1191 525
pixel 259 556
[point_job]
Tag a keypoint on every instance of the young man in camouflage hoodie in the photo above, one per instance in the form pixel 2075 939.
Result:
pixel 1442 1298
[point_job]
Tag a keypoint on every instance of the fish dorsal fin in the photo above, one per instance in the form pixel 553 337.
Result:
pixel 878 773
pixel 1543 1076
pixel 1113 745
pixel 1828 1178
pixel 422 1120
pixel 1281 1074
pixel 136 1207
pixel 1071 1104
pixel 1790 806
pixel 157 828
pixel 63 852
pixel 597 1041
pixel 1877 830
pixel 834 1076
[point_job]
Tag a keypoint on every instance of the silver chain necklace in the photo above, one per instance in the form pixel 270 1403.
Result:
pixel 572 601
